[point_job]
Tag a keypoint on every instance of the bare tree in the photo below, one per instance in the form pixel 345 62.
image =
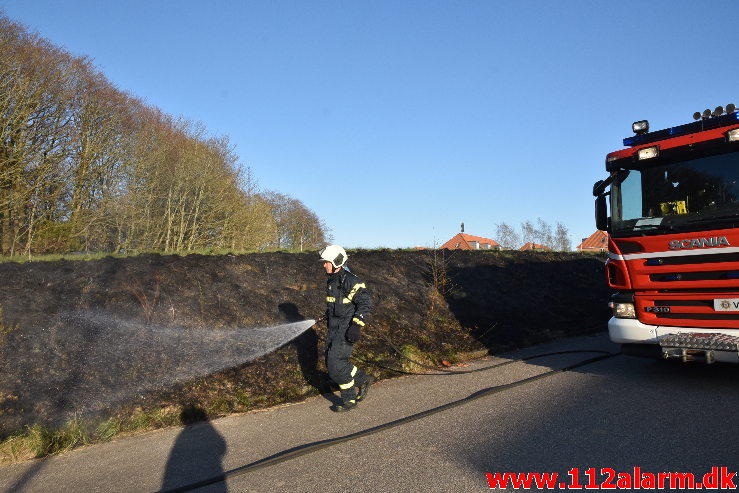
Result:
pixel 528 232
pixel 84 165
pixel 298 228
pixel 562 238
pixel 507 236
pixel 543 233
pixel 35 125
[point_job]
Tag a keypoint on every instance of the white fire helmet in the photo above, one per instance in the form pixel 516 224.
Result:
pixel 334 254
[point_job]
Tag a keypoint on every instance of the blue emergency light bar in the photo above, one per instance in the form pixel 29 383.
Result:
pixel 688 128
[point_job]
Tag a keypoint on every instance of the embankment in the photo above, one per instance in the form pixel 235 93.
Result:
pixel 117 337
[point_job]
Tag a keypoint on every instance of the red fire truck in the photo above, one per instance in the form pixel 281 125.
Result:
pixel 673 198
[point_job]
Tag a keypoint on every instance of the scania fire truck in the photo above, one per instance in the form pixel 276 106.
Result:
pixel 673 246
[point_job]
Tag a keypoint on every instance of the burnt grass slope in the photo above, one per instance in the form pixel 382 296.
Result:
pixel 73 334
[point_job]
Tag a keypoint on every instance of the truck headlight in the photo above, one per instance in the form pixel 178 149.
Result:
pixel 648 153
pixel 640 127
pixel 623 310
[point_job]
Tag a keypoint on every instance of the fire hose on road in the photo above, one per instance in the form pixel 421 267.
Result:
pixel 308 448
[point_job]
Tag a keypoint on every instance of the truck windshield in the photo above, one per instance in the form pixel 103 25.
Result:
pixel 691 195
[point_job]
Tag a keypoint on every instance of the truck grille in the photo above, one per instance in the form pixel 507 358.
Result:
pixel 718 258
pixel 685 310
pixel 689 272
pixel 695 276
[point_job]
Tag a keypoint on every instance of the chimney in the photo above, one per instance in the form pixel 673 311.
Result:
pixel 462 227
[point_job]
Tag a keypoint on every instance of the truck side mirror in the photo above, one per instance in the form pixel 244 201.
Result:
pixel 599 187
pixel 601 213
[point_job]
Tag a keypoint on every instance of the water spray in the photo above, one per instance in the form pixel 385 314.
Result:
pixel 90 360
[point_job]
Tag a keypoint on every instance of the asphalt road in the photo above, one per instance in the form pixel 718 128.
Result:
pixel 618 413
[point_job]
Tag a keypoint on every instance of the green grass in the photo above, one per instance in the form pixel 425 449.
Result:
pixel 14 449
pixel 412 356
pixel 151 419
pixel 40 441
pixel 21 259
pixel 215 252
pixel 108 429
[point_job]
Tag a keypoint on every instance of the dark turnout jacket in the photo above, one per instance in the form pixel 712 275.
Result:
pixel 347 301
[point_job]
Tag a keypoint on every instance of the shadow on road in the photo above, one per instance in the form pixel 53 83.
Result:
pixel 306 345
pixel 620 413
pixel 27 477
pixel 197 453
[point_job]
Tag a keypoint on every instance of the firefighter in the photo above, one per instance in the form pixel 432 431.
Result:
pixel 347 306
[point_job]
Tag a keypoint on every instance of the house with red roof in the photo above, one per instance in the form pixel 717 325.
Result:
pixel 534 246
pixel 597 242
pixel 462 241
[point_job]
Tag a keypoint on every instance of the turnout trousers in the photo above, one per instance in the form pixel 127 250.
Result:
pixel 340 369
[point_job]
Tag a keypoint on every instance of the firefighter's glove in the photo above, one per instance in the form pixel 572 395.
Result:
pixel 353 333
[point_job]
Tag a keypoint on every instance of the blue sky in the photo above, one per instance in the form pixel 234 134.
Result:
pixel 395 121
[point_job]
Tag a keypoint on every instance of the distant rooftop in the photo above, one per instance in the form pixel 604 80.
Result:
pixel 463 241
pixel 597 242
pixel 533 246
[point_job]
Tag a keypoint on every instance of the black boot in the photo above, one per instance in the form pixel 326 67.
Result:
pixel 344 407
pixel 364 388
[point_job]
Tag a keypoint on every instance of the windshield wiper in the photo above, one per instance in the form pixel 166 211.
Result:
pixel 638 228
